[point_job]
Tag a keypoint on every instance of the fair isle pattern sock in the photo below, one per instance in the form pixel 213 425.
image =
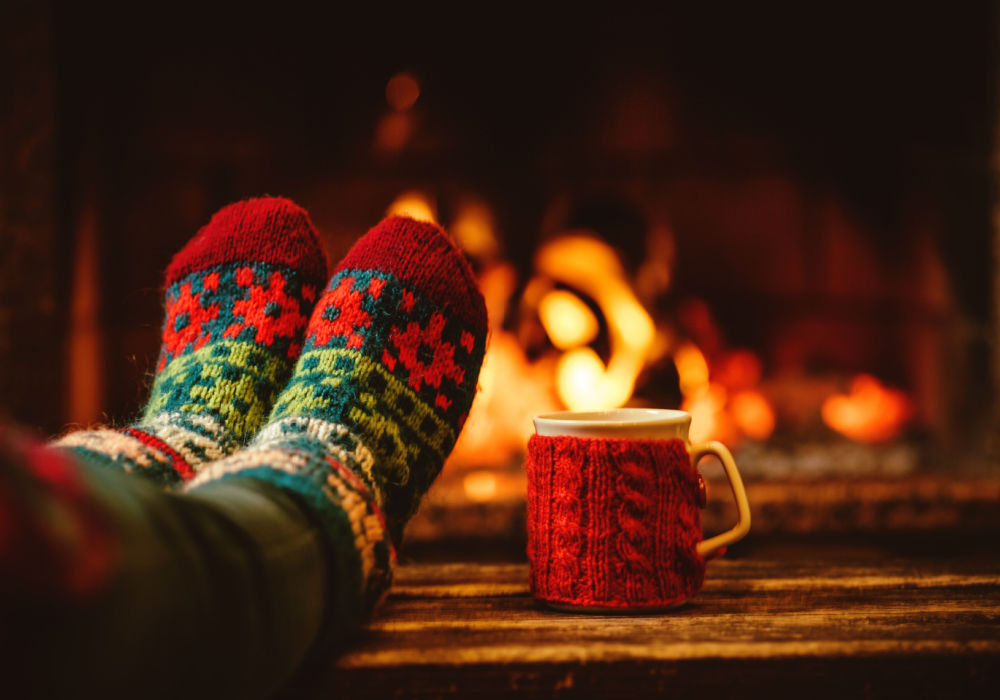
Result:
pixel 238 297
pixel 376 401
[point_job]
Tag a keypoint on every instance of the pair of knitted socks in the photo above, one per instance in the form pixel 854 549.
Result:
pixel 349 399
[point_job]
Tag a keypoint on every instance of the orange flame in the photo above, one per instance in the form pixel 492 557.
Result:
pixel 587 263
pixel 414 204
pixel 871 413
pixel 753 414
pixel 723 401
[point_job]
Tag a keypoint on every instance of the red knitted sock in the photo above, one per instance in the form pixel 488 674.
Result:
pixel 238 297
pixel 376 401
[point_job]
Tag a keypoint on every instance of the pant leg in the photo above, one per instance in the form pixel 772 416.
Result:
pixel 214 593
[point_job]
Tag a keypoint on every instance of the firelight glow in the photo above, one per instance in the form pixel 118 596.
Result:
pixel 722 400
pixel 709 421
pixel 475 230
pixel 480 485
pixel 692 369
pixel 414 204
pixel 870 413
pixel 568 321
pixel 584 262
pixel 753 414
pixel 402 91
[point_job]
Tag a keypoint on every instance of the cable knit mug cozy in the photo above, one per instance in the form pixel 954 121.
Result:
pixel 614 501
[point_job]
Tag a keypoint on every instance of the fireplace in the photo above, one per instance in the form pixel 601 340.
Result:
pixel 780 225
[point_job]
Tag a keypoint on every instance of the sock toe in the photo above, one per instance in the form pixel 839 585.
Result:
pixel 268 230
pixel 422 255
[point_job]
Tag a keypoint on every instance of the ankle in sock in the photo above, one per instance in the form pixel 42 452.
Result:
pixel 376 401
pixel 238 297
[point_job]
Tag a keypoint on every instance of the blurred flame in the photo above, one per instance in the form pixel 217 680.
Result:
pixel 392 132
pixel 590 265
pixel 414 204
pixel 584 383
pixel 511 391
pixel 708 418
pixel 692 368
pixel 474 229
pixel 871 412
pixel 738 369
pixel 567 320
pixel 753 414
pixel 722 400
pixel 480 485
pixel 402 91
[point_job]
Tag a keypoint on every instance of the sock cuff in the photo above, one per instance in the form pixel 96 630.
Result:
pixel 423 256
pixel 270 230
pixel 127 451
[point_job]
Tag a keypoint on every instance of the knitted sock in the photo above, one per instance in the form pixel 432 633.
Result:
pixel 376 402
pixel 238 296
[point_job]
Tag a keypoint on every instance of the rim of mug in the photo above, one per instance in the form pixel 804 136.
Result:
pixel 616 417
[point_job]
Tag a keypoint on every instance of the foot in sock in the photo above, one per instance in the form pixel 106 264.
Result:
pixel 238 297
pixel 376 401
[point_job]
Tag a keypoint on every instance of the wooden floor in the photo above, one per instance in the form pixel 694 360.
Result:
pixel 823 621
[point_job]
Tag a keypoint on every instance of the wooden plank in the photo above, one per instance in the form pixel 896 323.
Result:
pixel 905 627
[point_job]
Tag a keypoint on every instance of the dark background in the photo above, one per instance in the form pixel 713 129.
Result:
pixel 140 123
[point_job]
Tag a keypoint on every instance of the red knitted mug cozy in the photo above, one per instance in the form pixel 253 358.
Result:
pixel 613 523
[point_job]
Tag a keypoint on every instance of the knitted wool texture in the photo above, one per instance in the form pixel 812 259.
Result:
pixel 613 523
pixel 237 298
pixel 384 384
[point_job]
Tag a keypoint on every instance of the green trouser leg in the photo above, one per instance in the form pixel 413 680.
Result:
pixel 218 592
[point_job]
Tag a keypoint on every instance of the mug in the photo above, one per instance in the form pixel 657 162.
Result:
pixel 614 499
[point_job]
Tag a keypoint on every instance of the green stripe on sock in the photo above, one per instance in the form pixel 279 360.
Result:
pixel 231 380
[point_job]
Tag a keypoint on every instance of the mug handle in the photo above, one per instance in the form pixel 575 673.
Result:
pixel 713 544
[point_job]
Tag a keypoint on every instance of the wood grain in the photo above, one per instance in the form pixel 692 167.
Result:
pixel 781 627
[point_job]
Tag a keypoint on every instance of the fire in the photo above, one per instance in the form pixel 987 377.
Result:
pixel 591 266
pixel 514 388
pixel 724 403
pixel 692 368
pixel 480 485
pixel 709 420
pixel 579 291
pixel 568 321
pixel 753 414
pixel 474 230
pixel 871 412
pixel 414 204
pixel 511 391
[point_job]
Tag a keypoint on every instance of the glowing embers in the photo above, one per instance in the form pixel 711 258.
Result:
pixel 871 412
pixel 727 407
pixel 480 485
pixel 395 129
pixel 402 91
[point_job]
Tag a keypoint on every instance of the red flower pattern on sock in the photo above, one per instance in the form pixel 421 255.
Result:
pixel 268 309
pixel 188 309
pixel 416 341
pixel 350 317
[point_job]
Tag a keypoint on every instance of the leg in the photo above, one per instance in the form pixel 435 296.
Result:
pixel 112 587
pixel 375 403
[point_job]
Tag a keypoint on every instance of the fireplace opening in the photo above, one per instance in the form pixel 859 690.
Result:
pixel 780 224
